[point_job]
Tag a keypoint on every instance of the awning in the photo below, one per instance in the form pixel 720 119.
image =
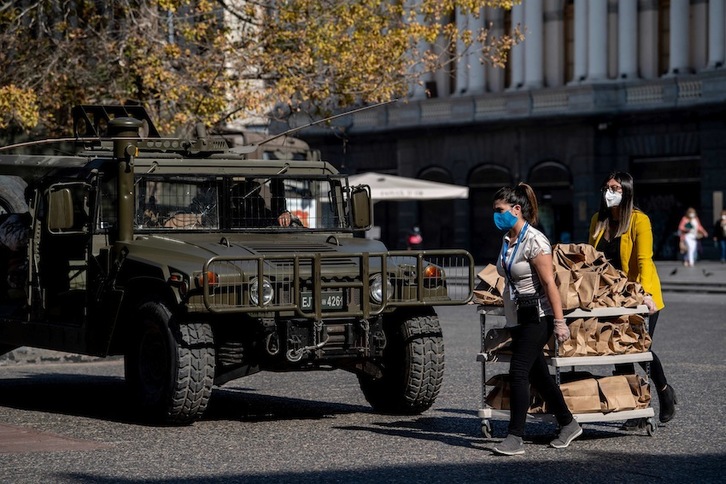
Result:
pixel 392 188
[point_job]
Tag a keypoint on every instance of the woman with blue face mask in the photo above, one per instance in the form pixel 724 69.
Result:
pixel 624 234
pixel 533 308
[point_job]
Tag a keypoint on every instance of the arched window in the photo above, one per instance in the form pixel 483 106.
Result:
pixel 552 182
pixel 435 217
pixel 485 239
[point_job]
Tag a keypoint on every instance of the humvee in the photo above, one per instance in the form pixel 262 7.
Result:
pixel 201 265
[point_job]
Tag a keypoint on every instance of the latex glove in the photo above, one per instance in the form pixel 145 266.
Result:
pixel 562 332
pixel 648 301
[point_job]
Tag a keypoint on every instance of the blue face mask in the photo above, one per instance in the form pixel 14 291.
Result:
pixel 505 220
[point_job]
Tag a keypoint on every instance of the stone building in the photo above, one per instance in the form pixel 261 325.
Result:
pixel 597 86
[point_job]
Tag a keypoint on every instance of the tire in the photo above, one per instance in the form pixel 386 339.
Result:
pixel 12 195
pixel 412 366
pixel 169 367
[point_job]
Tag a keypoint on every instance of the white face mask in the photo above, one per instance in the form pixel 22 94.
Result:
pixel 723 217
pixel 691 215
pixel 613 199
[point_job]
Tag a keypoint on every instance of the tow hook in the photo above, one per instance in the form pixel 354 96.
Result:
pixel 295 355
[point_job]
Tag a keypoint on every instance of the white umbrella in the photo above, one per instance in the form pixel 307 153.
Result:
pixel 390 187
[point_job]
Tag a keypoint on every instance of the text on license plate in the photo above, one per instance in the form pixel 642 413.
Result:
pixel 328 300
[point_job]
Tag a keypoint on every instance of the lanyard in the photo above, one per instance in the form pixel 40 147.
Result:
pixel 508 268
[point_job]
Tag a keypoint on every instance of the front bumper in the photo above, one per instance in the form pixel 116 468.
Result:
pixel 317 286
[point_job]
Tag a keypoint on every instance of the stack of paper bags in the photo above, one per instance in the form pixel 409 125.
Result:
pixel 583 275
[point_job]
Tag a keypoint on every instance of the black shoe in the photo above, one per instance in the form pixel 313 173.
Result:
pixel 667 400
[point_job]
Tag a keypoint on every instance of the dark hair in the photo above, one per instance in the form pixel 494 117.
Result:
pixel 521 195
pixel 626 204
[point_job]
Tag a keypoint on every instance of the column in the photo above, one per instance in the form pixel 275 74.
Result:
pixel 417 86
pixel 554 44
pixel 442 76
pixel 533 48
pixel 628 39
pixel 464 55
pixel 612 35
pixel 517 54
pixel 477 74
pixel 597 22
pixel 648 41
pixel 716 36
pixel 679 37
pixel 580 72
pixel 698 33
pixel 494 18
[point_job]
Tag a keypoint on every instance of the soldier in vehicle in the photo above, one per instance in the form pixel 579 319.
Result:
pixel 259 204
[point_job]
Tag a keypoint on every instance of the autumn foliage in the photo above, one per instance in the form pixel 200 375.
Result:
pixel 213 61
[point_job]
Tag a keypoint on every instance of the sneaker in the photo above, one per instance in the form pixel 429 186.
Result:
pixel 568 433
pixel 633 424
pixel 511 445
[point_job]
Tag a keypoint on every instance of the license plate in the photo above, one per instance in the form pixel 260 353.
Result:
pixel 328 300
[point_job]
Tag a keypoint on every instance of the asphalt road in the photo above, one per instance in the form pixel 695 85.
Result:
pixel 68 423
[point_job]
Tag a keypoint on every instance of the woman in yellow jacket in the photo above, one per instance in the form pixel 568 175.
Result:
pixel 624 234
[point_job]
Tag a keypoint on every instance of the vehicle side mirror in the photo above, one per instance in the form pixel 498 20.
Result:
pixel 60 210
pixel 361 209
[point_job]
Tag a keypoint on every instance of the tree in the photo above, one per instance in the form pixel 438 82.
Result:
pixel 204 60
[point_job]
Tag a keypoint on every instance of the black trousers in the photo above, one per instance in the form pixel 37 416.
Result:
pixel 527 367
pixel 656 368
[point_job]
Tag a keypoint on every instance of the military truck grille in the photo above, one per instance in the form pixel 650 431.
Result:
pixel 324 284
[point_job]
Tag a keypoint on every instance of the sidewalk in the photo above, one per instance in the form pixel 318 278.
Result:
pixel 707 276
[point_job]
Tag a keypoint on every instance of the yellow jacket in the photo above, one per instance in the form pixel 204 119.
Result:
pixel 636 254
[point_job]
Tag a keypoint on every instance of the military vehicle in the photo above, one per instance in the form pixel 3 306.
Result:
pixel 201 265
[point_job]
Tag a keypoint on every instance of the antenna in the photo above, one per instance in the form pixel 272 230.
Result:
pixel 330 118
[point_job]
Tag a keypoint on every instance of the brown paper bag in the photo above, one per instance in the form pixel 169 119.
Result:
pixel 577 339
pixel 603 335
pixel 581 396
pixel 568 294
pixel 492 279
pixel 640 389
pixel 589 330
pixel 496 339
pixel 498 397
pixel 490 288
pixel 616 394
pixel 586 286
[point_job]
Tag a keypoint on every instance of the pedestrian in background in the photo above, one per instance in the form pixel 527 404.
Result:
pixel 414 241
pixel 719 235
pixel 624 234
pixel 532 302
pixel 691 231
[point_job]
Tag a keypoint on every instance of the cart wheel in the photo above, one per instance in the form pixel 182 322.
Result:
pixel 486 429
pixel 651 426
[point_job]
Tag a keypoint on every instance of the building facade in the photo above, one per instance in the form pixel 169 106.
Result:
pixel 596 86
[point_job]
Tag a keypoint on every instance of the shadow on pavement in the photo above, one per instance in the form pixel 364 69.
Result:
pixel 106 398
pixel 596 467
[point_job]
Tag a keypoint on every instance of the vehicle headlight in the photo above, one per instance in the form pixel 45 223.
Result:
pixel 376 287
pixel 267 292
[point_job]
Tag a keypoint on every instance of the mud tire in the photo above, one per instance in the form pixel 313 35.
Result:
pixel 412 366
pixel 12 195
pixel 169 367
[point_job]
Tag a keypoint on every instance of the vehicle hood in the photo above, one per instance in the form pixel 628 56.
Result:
pixel 189 252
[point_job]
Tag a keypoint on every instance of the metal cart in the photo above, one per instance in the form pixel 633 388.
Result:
pixel 493 317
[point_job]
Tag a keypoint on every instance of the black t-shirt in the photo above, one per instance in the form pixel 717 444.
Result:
pixel 611 249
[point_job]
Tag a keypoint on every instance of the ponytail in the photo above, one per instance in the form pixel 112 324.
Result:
pixel 524 196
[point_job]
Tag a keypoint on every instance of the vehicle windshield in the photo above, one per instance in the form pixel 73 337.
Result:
pixel 236 203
